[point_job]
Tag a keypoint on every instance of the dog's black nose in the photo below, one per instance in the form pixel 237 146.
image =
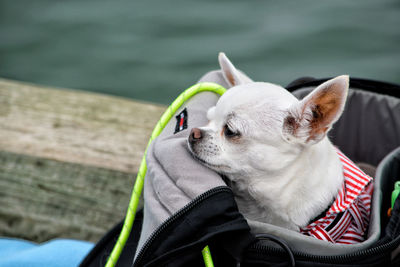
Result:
pixel 195 135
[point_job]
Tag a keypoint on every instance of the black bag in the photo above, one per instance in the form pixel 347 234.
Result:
pixel 213 219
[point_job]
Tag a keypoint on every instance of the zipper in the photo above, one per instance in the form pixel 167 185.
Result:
pixel 265 250
pixel 176 216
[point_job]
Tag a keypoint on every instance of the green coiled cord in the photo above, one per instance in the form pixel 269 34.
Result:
pixel 138 187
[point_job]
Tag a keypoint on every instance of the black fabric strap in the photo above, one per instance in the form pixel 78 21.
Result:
pixel 364 84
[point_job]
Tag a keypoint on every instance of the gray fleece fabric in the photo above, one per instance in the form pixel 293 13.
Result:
pixel 174 178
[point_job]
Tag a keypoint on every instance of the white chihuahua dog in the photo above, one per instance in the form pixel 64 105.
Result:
pixel 274 148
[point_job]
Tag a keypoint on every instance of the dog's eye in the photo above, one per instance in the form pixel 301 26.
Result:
pixel 229 133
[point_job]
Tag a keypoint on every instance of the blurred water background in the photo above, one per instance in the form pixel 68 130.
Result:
pixel 152 50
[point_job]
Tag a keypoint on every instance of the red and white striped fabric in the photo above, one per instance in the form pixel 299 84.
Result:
pixel 347 219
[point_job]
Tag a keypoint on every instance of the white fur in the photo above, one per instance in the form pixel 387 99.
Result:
pixel 282 167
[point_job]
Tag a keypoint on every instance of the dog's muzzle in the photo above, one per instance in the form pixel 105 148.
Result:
pixel 195 136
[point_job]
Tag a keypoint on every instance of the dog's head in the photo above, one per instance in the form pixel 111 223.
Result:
pixel 259 127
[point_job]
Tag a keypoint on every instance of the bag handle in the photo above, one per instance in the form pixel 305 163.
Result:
pixel 373 86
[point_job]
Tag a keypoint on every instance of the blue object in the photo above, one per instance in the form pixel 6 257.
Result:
pixel 57 253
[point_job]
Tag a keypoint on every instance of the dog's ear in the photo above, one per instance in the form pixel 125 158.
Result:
pixel 310 119
pixel 232 76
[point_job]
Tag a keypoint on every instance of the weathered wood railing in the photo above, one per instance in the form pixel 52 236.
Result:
pixel 68 160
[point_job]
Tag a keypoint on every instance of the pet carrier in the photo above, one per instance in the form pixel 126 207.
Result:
pixel 189 213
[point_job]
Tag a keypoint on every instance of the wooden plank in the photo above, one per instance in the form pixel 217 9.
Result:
pixel 74 126
pixel 41 199
pixel 68 160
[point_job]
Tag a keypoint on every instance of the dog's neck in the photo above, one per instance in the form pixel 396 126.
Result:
pixel 296 194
